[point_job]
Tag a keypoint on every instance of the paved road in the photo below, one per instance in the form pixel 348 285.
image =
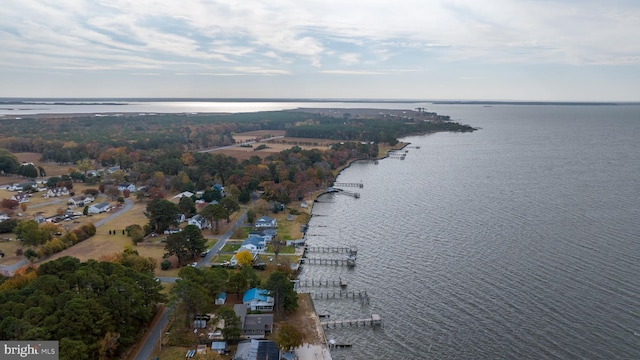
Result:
pixel 205 261
pixel 153 337
pixel 147 349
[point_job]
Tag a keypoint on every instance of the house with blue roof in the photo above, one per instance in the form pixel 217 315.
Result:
pixel 258 299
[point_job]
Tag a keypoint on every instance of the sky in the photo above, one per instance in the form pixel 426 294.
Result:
pixel 539 50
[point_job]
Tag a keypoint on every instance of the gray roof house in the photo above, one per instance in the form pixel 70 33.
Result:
pixel 99 208
pixel 254 326
pixel 266 222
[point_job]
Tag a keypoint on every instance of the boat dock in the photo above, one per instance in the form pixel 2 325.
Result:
pixel 346 261
pixel 352 250
pixel 361 296
pixel 359 185
pixel 374 320
pixel 342 282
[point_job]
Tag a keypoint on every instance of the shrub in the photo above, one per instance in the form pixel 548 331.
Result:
pixel 165 264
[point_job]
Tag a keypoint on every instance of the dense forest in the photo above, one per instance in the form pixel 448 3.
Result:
pixel 69 139
pixel 96 309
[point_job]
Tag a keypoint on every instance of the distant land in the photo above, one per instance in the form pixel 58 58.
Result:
pixel 124 101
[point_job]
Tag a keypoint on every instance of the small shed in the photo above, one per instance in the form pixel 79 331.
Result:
pixel 221 299
pixel 219 346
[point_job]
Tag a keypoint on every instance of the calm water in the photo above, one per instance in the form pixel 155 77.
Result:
pixel 518 241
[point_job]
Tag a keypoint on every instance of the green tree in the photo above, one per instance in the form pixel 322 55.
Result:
pixel 281 288
pixel 230 205
pixel 232 324
pixel 237 283
pixel 162 214
pixel 195 242
pixel 214 213
pixel 28 170
pixel 193 297
pixel 177 245
pixel 9 163
pixel 83 165
pixel 30 233
pixel 187 206
pixel 289 337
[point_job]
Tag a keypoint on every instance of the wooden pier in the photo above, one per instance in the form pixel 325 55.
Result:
pixel 359 185
pixel 346 261
pixel 352 250
pixel 360 296
pixel 374 320
pixel 341 282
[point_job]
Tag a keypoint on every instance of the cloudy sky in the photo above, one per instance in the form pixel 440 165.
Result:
pixel 563 50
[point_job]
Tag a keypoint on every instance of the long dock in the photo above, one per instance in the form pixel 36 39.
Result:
pixel 353 250
pixel 374 320
pixel 346 261
pixel 342 282
pixel 361 296
pixel 359 185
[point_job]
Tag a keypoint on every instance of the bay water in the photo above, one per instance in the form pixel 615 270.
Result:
pixel 518 241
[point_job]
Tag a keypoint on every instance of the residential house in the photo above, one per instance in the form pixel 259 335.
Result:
pixel 268 234
pixel 80 200
pixel 99 208
pixel 258 299
pixel 257 350
pixel 21 197
pixel 183 194
pixel 3 217
pixel 23 186
pixel 199 221
pixel 266 222
pixel 127 186
pixel 256 244
pixel 254 326
pixel 57 192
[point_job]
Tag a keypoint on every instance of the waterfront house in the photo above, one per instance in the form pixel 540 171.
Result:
pixel 266 222
pixel 254 326
pixel 99 208
pixel 258 299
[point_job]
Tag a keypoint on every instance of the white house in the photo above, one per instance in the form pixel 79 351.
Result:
pixel 183 194
pixel 23 186
pixel 99 208
pixel 127 186
pixel 3 217
pixel 256 244
pixel 21 197
pixel 80 200
pixel 258 299
pixel 199 221
pixel 266 222
pixel 56 192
